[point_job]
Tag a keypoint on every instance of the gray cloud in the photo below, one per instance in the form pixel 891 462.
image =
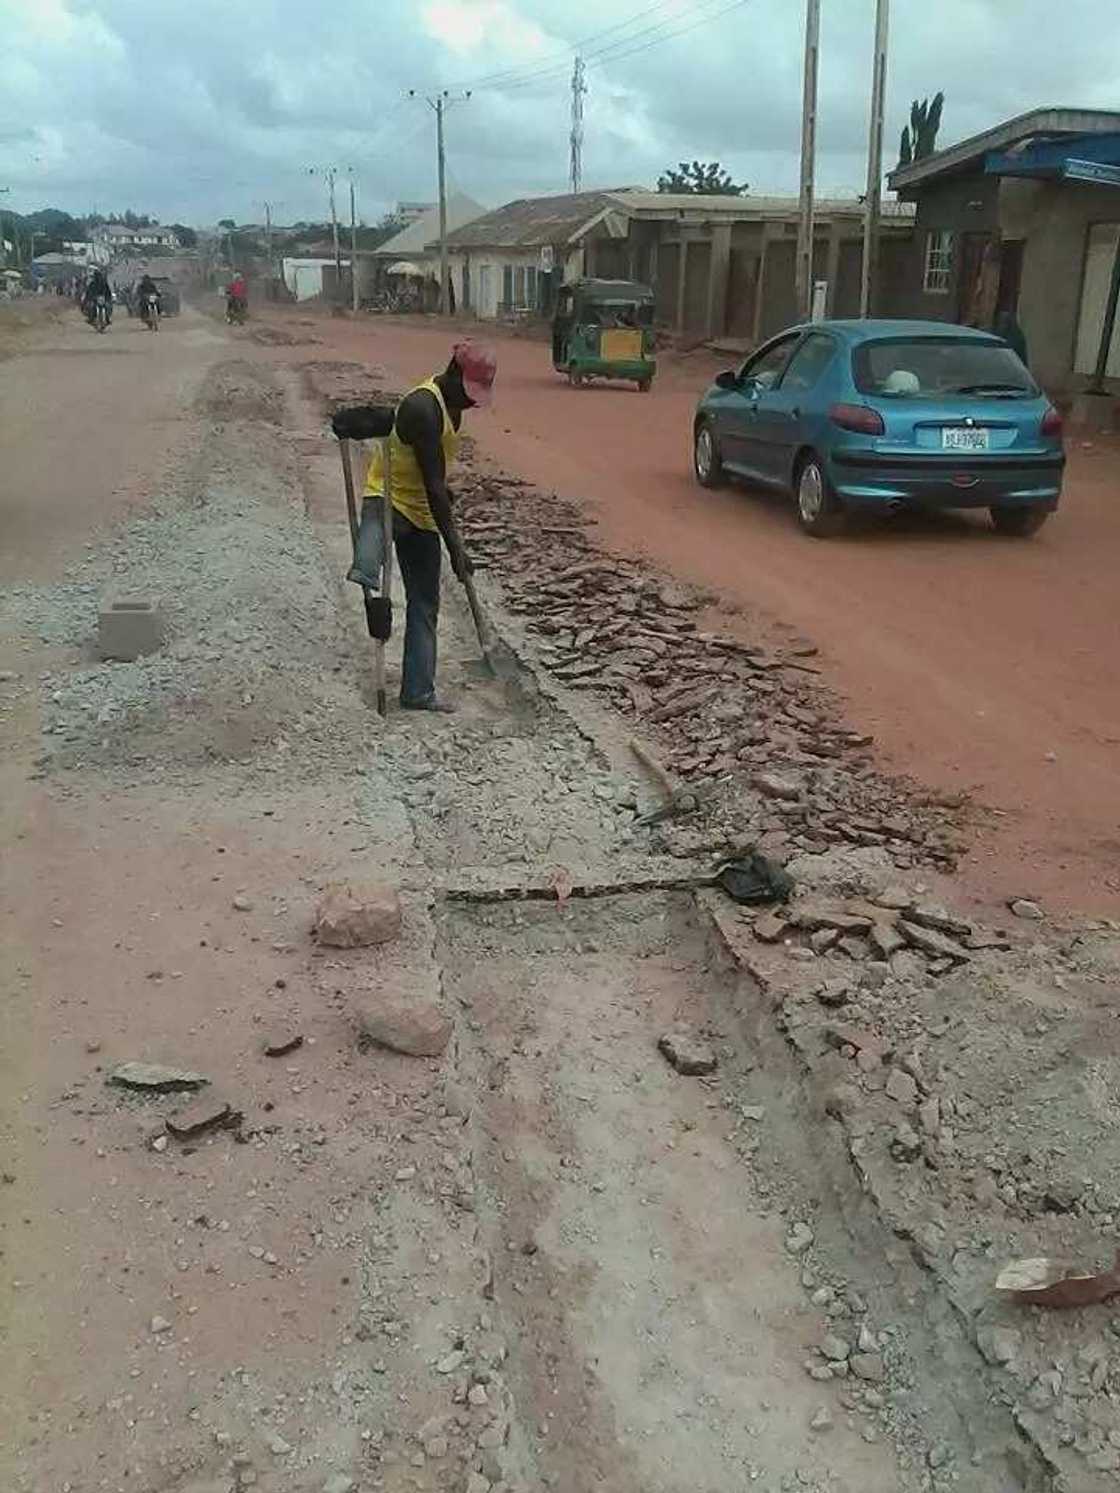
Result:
pixel 194 110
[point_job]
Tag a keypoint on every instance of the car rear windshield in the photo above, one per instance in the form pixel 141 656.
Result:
pixel 936 367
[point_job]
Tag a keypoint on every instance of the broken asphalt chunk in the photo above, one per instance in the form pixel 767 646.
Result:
pixel 154 1078
pixel 754 877
pixel 207 1113
pixel 929 941
pixel 687 1052
pixel 279 1044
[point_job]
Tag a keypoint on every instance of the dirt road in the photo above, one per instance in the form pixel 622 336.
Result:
pixel 542 1259
pixel 982 666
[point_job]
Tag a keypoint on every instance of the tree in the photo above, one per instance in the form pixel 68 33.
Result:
pixel 227 223
pixel 919 137
pixel 705 179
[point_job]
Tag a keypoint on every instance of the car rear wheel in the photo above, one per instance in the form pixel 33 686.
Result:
pixel 706 460
pixel 1020 523
pixel 819 511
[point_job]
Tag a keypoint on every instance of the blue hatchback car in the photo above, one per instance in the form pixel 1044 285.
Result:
pixel 885 415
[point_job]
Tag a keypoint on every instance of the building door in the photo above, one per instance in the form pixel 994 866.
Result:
pixel 1100 256
pixel 1010 276
pixel 974 258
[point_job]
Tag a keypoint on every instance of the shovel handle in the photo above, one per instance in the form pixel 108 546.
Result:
pixel 481 626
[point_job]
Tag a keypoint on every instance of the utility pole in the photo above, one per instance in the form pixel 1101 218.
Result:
pixel 444 271
pixel 872 202
pixel 353 246
pixel 330 172
pixel 579 88
pixel 269 209
pixel 441 103
pixel 808 158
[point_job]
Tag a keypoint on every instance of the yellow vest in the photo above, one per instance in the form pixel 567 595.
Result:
pixel 409 495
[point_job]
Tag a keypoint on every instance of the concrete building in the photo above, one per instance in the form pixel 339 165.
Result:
pixel 510 262
pixel 720 267
pixel 119 238
pixel 417 247
pixel 1022 219
pixel 309 277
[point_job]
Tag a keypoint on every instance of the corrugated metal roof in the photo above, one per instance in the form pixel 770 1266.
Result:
pixel 532 221
pixel 424 229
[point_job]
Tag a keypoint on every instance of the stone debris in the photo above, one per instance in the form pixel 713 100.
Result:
pixel 355 915
pixel 159 1325
pixel 1023 907
pixel 868 1366
pixel 999 1345
pixel 929 941
pixel 822 1420
pixel 280 1044
pixel 902 1088
pixel 339 1482
pixel 243 902
pixel 834 1348
pixel 154 1078
pixel 799 1239
pixel 688 1052
pixel 207 1113
pixel 905 1144
pixel 417 1028
pixel 279 1447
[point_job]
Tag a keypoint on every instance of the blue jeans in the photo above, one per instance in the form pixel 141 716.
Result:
pixel 419 555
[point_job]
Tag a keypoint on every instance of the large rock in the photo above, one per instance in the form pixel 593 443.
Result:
pixel 354 914
pixel 687 1051
pixel 417 1028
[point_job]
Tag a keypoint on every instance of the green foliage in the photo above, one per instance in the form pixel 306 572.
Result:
pixel 704 178
pixel 919 138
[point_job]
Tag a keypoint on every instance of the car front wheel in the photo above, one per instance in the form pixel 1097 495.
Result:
pixel 706 460
pixel 1020 523
pixel 819 511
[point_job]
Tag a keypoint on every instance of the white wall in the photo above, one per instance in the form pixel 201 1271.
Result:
pixel 487 273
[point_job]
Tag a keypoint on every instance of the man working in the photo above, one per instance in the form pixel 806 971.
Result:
pixel 422 447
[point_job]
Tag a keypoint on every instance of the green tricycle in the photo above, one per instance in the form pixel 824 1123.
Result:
pixel 604 329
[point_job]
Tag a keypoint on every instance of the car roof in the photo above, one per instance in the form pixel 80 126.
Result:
pixel 876 330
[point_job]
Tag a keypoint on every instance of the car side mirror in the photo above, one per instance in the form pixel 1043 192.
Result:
pixel 728 380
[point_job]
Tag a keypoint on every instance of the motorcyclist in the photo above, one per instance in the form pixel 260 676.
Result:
pixel 98 285
pixel 237 294
pixel 147 287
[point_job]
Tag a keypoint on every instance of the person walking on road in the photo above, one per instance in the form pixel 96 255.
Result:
pixel 423 445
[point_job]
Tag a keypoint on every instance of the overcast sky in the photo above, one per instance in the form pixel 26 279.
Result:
pixel 198 109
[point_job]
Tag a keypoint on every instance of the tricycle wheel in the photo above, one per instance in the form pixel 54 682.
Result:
pixel 1020 523
pixel 575 379
pixel 645 385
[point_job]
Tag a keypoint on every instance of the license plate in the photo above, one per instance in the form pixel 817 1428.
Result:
pixel 963 438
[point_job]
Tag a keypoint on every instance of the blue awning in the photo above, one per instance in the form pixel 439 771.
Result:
pixel 1083 158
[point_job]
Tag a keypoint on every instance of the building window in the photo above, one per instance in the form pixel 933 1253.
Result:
pixel 939 262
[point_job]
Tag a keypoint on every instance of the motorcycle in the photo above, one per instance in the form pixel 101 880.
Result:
pixel 236 311
pixel 149 311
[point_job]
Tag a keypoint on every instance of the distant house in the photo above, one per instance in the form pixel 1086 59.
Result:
pixel 118 237
pixel 413 253
pixel 1023 219
pixel 313 276
pixel 720 266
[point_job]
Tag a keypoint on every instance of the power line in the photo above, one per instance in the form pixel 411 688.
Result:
pixel 561 57
pixel 628 46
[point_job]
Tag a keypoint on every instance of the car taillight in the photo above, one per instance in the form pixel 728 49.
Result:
pixel 1052 423
pixel 858 417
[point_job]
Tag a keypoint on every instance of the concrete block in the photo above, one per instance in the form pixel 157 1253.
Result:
pixel 128 628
